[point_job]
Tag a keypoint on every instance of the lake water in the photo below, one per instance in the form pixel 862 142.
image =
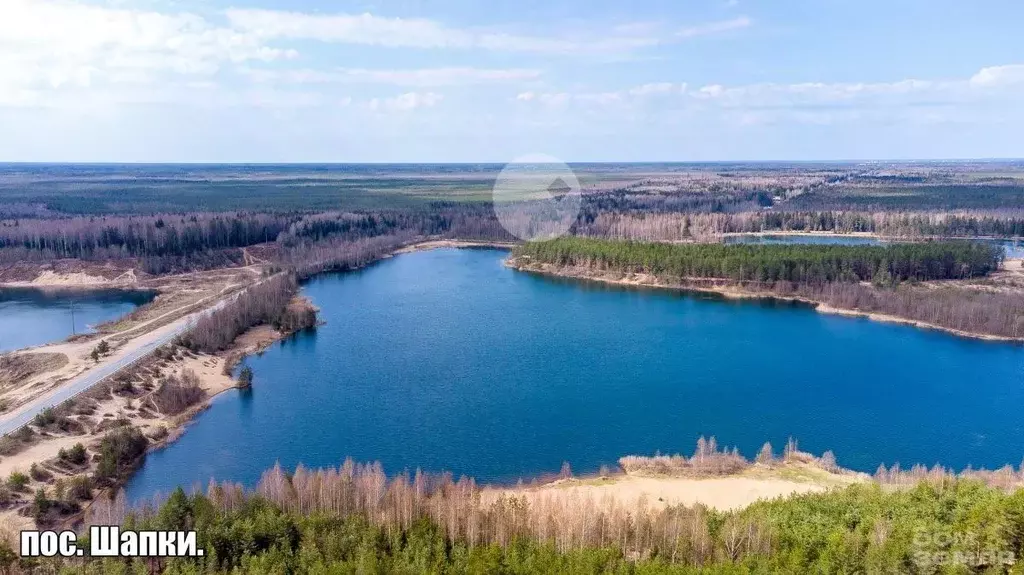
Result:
pixel 447 360
pixel 33 317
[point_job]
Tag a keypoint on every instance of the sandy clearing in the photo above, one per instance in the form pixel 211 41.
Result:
pixel 630 491
pixel 50 278
pixel 45 449
pixel 437 244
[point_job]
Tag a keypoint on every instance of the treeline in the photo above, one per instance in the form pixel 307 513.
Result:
pixel 964 309
pixel 171 243
pixel 263 303
pixel 355 519
pixel 802 264
pixel 709 460
pixel 707 226
pixel 928 196
pixel 168 243
pixel 120 237
pixel 710 199
pixel 332 254
pixel 469 221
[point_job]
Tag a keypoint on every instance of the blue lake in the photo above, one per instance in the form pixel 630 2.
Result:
pixel 33 317
pixel 447 360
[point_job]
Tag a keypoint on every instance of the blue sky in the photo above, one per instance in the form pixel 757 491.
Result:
pixel 455 80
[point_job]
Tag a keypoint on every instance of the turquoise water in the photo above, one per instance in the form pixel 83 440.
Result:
pixel 447 360
pixel 34 317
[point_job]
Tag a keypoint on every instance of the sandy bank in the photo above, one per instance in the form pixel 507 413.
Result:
pixel 49 279
pixel 437 244
pixel 725 493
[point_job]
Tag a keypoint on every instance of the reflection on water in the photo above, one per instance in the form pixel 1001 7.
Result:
pixel 31 317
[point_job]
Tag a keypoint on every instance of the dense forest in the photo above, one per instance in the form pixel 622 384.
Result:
pixel 930 196
pixel 805 264
pixel 174 243
pixel 356 520
pixel 708 226
pixel 118 237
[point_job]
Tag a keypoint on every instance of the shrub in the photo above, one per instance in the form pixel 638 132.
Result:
pixel 10 445
pixel 17 481
pixel 77 455
pixel 40 504
pixel 123 385
pixel 176 394
pixel 79 488
pixel 45 417
pixel 245 377
pixel 120 451
pixel 38 473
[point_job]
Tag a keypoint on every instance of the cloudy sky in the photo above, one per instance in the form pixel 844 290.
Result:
pixel 469 80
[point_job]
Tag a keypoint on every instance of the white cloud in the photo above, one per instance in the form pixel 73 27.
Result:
pixel 817 93
pixel 715 27
pixel 53 52
pixel 354 29
pixel 50 44
pixel 912 100
pixel 999 76
pixel 635 93
pixel 449 76
pixel 371 30
pixel 654 88
pixel 406 102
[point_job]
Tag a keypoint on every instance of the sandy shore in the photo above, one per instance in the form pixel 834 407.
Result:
pixel 49 279
pixel 724 288
pixel 436 244
pixel 635 491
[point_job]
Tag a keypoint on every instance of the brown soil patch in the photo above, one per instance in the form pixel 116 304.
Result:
pixel 15 368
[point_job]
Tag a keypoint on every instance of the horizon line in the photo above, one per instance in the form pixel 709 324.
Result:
pixel 498 163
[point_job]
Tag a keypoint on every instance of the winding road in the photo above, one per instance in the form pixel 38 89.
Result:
pixel 134 350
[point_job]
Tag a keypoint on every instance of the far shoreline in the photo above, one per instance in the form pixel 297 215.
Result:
pixel 739 293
